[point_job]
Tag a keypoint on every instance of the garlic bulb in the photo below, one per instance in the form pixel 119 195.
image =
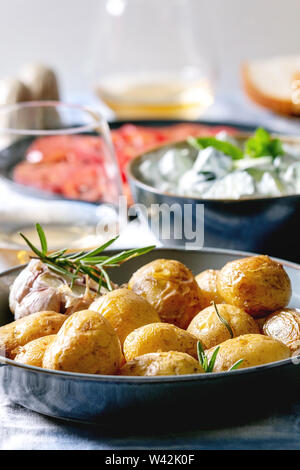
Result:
pixel 37 289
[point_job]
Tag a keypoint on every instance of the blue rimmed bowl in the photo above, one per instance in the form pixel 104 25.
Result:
pixel 266 225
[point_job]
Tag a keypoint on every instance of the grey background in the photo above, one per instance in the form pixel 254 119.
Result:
pixel 59 32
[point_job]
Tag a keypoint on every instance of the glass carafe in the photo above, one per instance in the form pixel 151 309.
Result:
pixel 153 58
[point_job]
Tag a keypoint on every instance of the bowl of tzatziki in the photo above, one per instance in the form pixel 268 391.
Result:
pixel 233 191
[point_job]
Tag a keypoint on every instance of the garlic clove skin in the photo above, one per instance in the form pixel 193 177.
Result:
pixel 47 299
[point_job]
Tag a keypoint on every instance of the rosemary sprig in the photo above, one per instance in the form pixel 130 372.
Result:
pixel 75 265
pixel 223 320
pixel 208 365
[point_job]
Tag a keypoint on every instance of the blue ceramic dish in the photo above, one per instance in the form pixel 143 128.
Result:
pixel 153 402
pixel 265 225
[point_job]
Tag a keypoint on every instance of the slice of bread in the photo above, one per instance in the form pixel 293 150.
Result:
pixel 274 83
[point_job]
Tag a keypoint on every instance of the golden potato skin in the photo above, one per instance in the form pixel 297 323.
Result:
pixel 256 284
pixel 252 348
pixel 26 329
pixel 125 311
pixel 207 327
pixel 207 281
pixel 159 337
pixel 284 325
pixel 86 343
pixel 164 363
pixel 170 288
pixel 32 353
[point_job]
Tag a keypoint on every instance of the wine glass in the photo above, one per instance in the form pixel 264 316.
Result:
pixel 152 59
pixel 58 168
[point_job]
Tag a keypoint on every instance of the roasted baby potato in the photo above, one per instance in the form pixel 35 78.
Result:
pixel 24 330
pixel 125 311
pixel 253 349
pixel 164 363
pixel 260 323
pixel 284 325
pixel 207 281
pixel 32 353
pixel 159 337
pixel 208 328
pixel 170 288
pixel 256 284
pixel 86 343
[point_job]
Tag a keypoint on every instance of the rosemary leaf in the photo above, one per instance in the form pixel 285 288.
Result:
pixel 213 360
pixel 126 255
pixel 59 269
pixel 201 354
pixel 42 238
pixel 223 320
pixel 96 250
pixel 236 365
pixel 76 274
pixel 34 249
pixel 74 255
pixel 100 284
pixel 57 254
pixel 96 260
pixel 92 275
pixel 106 277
